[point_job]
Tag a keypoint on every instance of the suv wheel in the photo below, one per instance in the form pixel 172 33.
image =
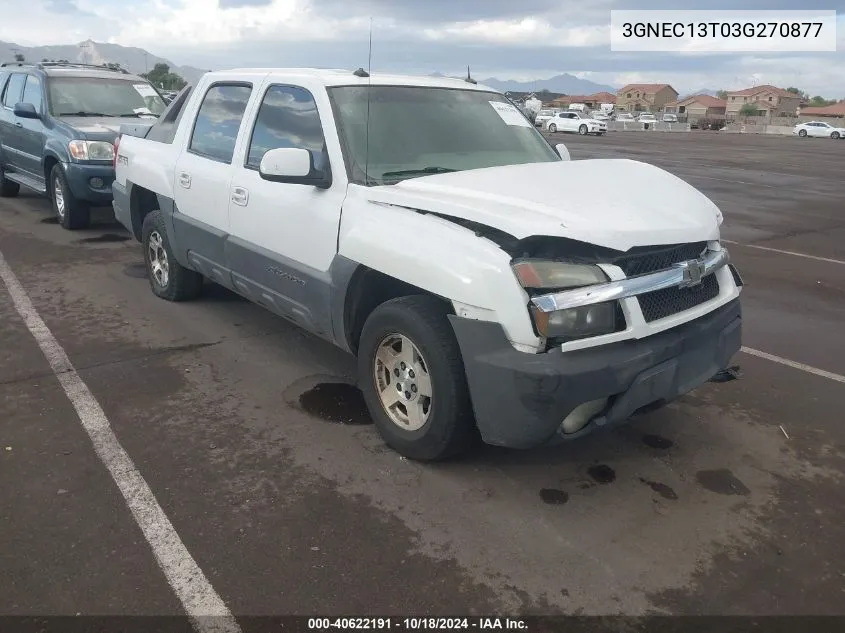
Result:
pixel 8 189
pixel 168 279
pixel 72 213
pixel 413 379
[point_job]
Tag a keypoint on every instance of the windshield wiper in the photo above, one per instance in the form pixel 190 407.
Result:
pixel 84 114
pixel 413 172
pixel 137 114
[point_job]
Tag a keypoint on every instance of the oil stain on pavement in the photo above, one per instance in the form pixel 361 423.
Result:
pixel 602 474
pixel 336 402
pixel 553 496
pixel 105 238
pixel 137 271
pixel 656 441
pixel 721 481
pixel 662 489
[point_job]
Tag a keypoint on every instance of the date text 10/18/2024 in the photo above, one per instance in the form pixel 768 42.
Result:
pixel 418 624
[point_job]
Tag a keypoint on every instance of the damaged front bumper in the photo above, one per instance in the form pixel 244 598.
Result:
pixel 521 400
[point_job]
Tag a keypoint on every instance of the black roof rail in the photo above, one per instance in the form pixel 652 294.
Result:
pixel 43 65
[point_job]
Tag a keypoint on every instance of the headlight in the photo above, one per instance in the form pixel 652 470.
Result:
pixel 544 275
pixel 91 150
pixel 573 323
pixel 576 323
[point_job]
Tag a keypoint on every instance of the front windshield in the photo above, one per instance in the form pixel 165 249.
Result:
pixel 416 131
pixel 98 96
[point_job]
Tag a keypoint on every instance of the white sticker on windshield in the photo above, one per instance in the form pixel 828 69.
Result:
pixel 145 90
pixel 510 115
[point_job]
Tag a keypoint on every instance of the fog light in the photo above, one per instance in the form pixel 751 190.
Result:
pixel 96 183
pixel 581 415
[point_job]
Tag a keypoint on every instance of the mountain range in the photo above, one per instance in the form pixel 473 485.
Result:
pixel 135 60
pixel 138 60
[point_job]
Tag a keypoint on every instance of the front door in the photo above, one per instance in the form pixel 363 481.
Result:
pixel 284 236
pixel 31 131
pixel 201 181
pixel 10 134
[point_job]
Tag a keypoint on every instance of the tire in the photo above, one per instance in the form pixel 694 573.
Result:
pixel 552 128
pixel 835 135
pixel 168 279
pixel 802 133
pixel 8 189
pixel 582 130
pixel 447 427
pixel 73 214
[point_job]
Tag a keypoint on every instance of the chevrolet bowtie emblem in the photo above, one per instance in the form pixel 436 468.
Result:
pixel 693 271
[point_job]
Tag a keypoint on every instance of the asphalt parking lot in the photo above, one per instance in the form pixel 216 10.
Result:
pixel 729 501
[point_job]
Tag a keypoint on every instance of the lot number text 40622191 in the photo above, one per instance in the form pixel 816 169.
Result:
pixel 418 624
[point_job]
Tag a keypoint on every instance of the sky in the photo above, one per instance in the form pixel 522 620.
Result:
pixel 507 39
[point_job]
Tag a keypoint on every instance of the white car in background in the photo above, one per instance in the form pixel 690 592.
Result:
pixel 573 121
pixel 625 116
pixel 647 117
pixel 670 118
pixel 818 128
pixel 543 116
pixel 598 115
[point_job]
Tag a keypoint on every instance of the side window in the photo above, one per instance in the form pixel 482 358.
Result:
pixel 218 121
pixel 164 130
pixel 14 90
pixel 287 117
pixel 32 92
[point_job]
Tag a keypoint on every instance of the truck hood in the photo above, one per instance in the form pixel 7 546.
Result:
pixel 615 203
pixel 104 129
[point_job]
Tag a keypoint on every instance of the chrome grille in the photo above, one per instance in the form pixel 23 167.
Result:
pixel 656 258
pixel 663 303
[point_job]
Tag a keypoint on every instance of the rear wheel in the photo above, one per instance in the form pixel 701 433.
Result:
pixel 8 189
pixel 552 128
pixel 413 380
pixel 582 130
pixel 168 279
pixel 72 213
pixel 802 133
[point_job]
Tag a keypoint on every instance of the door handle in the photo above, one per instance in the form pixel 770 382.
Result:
pixel 240 196
pixel 185 180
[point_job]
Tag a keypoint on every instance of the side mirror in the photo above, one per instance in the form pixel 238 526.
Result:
pixel 26 111
pixel 295 166
pixel 561 150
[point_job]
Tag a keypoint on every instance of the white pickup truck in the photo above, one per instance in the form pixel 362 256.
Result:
pixel 487 284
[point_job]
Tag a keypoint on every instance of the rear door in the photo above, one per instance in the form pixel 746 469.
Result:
pixel 10 134
pixel 31 132
pixel 203 175
pixel 570 121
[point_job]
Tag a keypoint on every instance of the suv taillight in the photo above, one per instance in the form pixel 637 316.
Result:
pixel 116 145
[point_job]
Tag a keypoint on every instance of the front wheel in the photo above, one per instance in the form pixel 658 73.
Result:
pixel 835 135
pixel 413 380
pixel 552 128
pixel 802 133
pixel 72 214
pixel 582 130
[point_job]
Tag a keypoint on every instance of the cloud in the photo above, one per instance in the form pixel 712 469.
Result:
pixel 519 39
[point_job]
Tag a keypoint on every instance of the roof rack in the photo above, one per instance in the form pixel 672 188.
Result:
pixel 64 65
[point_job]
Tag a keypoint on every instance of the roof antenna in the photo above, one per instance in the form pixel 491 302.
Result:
pixel 469 78
pixel 369 87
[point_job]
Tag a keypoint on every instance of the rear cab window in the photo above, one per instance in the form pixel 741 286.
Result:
pixel 219 120
pixel 164 130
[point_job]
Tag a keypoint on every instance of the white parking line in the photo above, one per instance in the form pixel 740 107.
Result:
pixel 206 609
pixel 777 250
pixel 791 363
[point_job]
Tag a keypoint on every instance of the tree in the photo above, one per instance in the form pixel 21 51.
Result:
pixel 819 102
pixel 748 109
pixel 19 57
pixel 794 90
pixel 161 77
pixel 722 94
pixel 113 66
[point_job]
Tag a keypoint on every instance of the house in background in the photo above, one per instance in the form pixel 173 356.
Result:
pixel 837 110
pixel 698 107
pixel 769 101
pixel 645 97
pixel 592 101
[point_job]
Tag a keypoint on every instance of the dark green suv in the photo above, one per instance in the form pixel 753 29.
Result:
pixel 58 124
